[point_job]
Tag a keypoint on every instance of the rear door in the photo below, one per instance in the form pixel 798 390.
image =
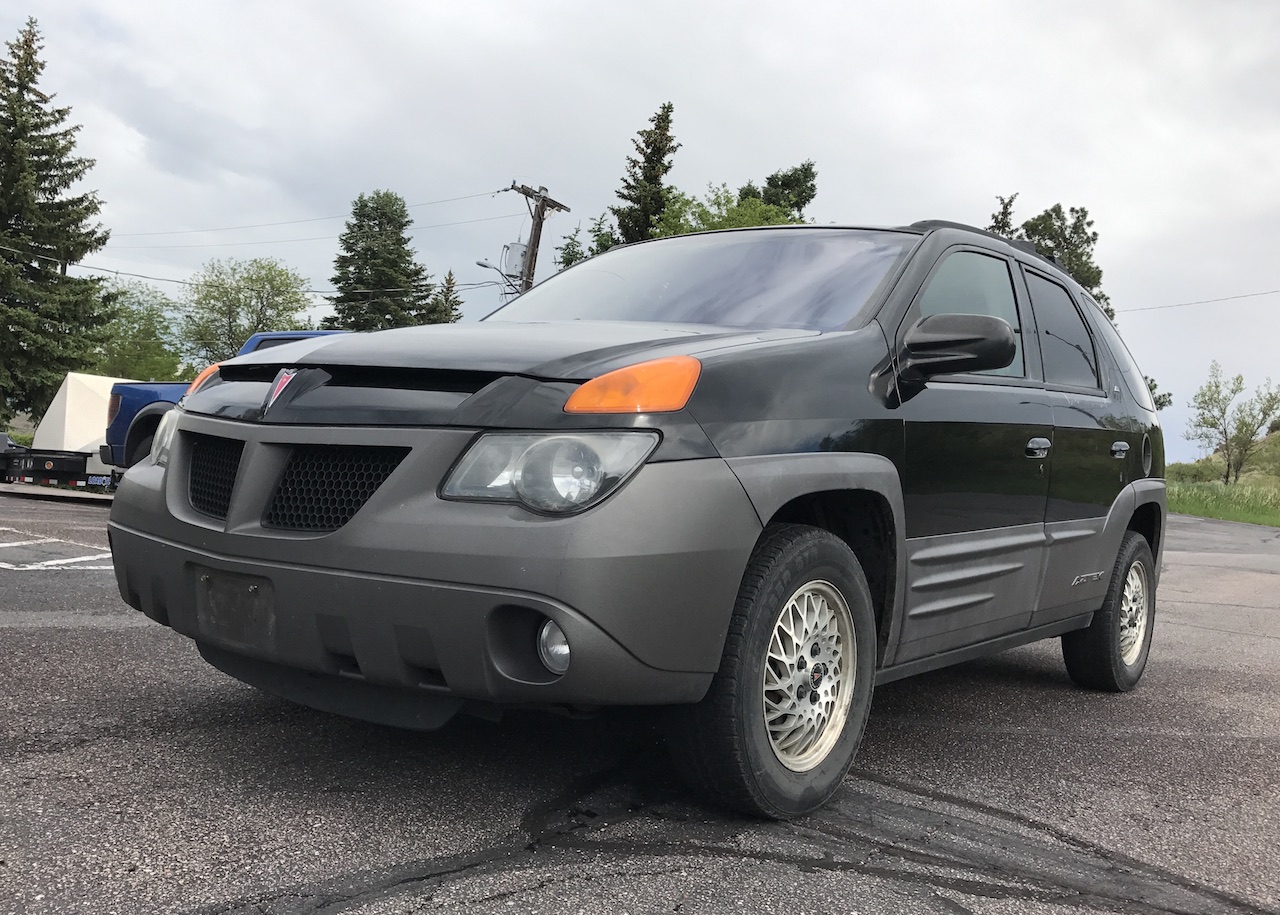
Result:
pixel 976 471
pixel 1092 446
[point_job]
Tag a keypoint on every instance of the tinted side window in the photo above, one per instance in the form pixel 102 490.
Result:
pixel 1134 380
pixel 1065 344
pixel 968 283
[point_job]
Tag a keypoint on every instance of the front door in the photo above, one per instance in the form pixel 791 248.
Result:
pixel 976 472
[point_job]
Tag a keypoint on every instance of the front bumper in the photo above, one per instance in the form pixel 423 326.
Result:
pixel 436 598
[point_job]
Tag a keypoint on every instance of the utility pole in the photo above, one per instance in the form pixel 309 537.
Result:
pixel 542 204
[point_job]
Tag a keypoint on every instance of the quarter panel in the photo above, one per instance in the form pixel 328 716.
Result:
pixel 1085 547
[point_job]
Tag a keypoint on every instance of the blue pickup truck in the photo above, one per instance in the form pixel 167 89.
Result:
pixel 135 407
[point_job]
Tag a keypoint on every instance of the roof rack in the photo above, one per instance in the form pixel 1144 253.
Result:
pixel 1019 243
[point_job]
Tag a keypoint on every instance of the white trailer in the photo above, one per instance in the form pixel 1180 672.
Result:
pixel 65 448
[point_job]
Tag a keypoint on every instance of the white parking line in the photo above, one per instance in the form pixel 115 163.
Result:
pixel 14 530
pixel 67 564
pixel 62 562
pixel 52 545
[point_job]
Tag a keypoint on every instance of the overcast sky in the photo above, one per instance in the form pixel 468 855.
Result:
pixel 1161 117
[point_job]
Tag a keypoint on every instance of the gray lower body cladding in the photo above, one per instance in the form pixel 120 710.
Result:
pixel 417 604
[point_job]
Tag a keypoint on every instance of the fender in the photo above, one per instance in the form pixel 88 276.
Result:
pixel 773 480
pixel 1137 494
pixel 148 415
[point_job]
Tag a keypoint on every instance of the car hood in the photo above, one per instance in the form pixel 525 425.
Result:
pixel 552 350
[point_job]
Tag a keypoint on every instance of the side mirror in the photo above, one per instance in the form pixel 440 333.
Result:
pixel 946 343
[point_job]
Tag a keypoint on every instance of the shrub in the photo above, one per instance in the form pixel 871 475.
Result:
pixel 1205 470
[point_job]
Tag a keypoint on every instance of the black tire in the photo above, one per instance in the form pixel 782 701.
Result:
pixel 140 449
pixel 1095 656
pixel 721 746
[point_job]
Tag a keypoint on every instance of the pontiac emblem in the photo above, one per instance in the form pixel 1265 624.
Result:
pixel 278 386
pixel 816 673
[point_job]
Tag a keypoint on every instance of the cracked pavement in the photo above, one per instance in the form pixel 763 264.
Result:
pixel 136 779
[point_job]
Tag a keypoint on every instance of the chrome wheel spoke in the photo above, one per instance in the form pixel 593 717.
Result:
pixel 810 656
pixel 1134 614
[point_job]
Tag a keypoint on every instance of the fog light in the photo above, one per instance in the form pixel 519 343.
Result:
pixel 553 648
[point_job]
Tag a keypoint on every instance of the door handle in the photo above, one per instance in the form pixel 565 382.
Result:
pixel 1119 450
pixel 1038 448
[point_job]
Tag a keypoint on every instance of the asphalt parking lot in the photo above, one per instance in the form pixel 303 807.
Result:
pixel 136 779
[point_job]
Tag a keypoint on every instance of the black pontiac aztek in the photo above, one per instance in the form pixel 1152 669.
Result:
pixel 744 474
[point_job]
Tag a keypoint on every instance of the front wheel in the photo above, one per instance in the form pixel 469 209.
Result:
pixel 1112 653
pixel 779 727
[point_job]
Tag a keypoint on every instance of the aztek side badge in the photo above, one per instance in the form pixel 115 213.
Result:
pixel 278 386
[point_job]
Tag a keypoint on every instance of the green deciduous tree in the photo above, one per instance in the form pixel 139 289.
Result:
pixel 1229 428
pixel 446 304
pixel 721 208
pixel 139 339
pixel 379 282
pixel 643 192
pixel 230 300
pixel 1068 236
pixel 50 323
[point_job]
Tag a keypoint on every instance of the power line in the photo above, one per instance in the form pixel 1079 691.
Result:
pixel 1225 298
pixel 282 241
pixel 166 279
pixel 163 279
pixel 294 222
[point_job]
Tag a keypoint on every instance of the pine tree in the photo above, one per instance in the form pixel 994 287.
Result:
pixel 572 250
pixel 602 235
pixel 379 282
pixel 1067 236
pixel 642 188
pixel 50 323
pixel 446 304
pixel 788 188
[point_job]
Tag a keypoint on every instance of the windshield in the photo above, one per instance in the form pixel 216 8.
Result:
pixel 821 279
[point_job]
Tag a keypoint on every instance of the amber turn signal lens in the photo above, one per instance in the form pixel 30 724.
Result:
pixel 657 386
pixel 201 379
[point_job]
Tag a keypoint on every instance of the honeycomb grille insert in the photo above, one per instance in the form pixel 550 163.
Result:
pixel 214 463
pixel 323 486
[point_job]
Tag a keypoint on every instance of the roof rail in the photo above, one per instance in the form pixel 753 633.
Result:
pixel 1019 243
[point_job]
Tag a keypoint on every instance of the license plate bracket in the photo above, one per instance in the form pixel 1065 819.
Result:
pixel 235 610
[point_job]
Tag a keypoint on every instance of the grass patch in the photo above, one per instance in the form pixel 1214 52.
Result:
pixel 22 438
pixel 1257 504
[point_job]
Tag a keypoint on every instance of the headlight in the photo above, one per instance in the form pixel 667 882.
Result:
pixel 163 438
pixel 548 472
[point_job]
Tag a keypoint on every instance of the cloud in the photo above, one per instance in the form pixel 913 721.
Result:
pixel 1161 117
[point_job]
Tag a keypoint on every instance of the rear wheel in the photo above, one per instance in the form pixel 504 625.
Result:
pixel 1112 653
pixel 783 719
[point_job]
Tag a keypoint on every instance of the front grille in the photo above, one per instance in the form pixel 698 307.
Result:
pixel 323 486
pixel 214 462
